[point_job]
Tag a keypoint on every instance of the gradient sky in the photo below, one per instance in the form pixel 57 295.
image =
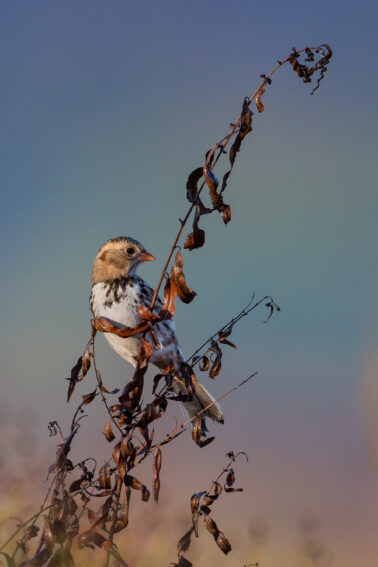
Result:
pixel 105 109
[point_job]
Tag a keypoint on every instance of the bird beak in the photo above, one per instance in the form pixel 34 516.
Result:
pixel 146 257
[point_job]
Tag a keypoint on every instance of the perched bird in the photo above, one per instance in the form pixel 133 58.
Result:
pixel 117 292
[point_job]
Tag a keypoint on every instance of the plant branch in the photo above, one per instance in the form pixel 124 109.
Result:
pixel 203 410
pixel 234 127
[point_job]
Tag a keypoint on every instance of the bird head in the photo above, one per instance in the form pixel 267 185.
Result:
pixel 118 257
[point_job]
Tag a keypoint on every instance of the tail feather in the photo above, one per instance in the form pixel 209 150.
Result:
pixel 214 412
pixel 201 399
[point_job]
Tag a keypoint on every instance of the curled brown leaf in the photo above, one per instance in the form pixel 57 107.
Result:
pixel 212 183
pixel 217 361
pixel 86 361
pixel 197 430
pixel 195 239
pixel 192 185
pixel 170 293
pixel 260 92
pixel 105 326
pixel 177 275
pixel 195 507
pixel 134 483
pixel 245 127
pixel 219 537
pixel 204 364
pixel 108 432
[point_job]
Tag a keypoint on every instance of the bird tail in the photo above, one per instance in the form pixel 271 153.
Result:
pixel 201 399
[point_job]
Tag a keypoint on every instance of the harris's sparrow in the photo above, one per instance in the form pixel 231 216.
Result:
pixel 117 292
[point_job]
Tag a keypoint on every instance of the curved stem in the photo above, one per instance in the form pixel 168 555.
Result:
pixel 234 127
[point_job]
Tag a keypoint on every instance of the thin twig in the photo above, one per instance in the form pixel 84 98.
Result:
pixel 183 425
pixel 225 469
pixel 215 339
pixel 99 382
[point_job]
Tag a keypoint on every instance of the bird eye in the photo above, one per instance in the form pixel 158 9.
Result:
pixel 130 250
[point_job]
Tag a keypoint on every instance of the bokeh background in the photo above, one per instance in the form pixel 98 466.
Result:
pixel 105 109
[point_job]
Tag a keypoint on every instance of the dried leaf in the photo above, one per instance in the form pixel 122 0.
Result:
pixel 260 92
pixel 197 430
pixel 204 364
pixel 206 441
pixel 306 72
pixel 245 127
pixel 219 537
pixel 184 542
pixel 156 381
pixel 310 55
pixel 123 516
pixel 127 447
pixel 182 562
pixel 177 275
pixel 61 461
pixel 191 185
pixel 230 479
pixel 30 532
pixel 170 293
pixel 210 498
pixel 210 179
pixel 134 483
pixel 156 472
pixel 90 537
pixel 195 239
pixel 322 66
pixel 146 314
pixel 223 543
pixel 104 478
pixel 88 398
pixel 212 183
pixel 108 432
pixel 131 393
pixel 75 371
pixel 86 361
pixel 224 341
pixel 105 326
pixel 58 530
pixel 225 212
pixel 76 484
pixel 217 361
pixel 106 391
pixel 195 505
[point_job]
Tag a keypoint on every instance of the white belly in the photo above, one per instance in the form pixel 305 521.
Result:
pixel 123 312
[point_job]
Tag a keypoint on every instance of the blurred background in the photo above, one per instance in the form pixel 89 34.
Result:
pixel 105 109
